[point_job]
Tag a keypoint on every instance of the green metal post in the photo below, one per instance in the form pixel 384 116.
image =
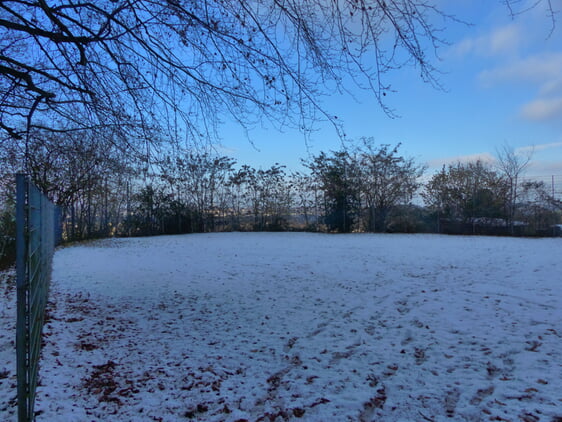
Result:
pixel 22 297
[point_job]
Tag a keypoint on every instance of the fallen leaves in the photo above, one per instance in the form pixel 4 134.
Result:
pixel 88 347
pixel 298 412
pixel 199 409
pixel 533 345
pixel 102 382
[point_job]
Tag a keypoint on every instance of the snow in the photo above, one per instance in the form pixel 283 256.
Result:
pixel 7 345
pixel 297 326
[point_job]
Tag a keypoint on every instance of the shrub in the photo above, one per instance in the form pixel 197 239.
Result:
pixel 7 237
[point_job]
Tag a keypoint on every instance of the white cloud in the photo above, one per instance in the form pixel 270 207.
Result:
pixel 543 68
pixel 544 168
pixel 485 157
pixel 543 109
pixel 537 166
pixel 552 87
pixel 544 161
pixel 537 148
pixel 503 40
pixel 540 70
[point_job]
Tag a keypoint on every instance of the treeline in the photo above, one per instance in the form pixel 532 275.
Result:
pixel 474 198
pixel 364 188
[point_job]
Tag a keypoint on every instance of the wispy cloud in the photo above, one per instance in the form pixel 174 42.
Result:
pixel 502 40
pixel 544 167
pixel 552 87
pixel 537 167
pixel 543 109
pixel 537 148
pixel 542 68
pixel 543 163
pixel 485 157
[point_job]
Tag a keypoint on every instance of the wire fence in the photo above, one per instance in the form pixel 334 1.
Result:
pixel 36 235
pixel 552 184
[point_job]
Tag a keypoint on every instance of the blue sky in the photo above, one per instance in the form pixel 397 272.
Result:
pixel 503 86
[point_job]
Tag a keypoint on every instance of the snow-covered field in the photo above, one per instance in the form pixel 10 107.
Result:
pixel 293 326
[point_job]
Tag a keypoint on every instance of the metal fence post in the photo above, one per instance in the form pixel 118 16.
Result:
pixel 21 283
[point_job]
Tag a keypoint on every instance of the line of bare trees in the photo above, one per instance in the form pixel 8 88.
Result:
pixel 364 187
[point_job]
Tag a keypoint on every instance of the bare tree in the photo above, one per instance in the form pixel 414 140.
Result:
pixel 465 191
pixel 512 164
pixel 137 65
pixel 517 7
pixel 82 175
pixel 203 180
pixel 388 180
pixel 305 192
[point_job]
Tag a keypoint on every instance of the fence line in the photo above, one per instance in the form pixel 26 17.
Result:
pixel 36 235
pixel 552 183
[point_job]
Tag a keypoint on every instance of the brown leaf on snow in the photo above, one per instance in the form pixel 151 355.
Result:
pixel 201 408
pixel 191 413
pixel 522 397
pixel 533 346
pixel 273 416
pixel 310 379
pixel 492 369
pixel 74 319
pixel 419 355
pixel 274 380
pixel 481 394
pixel 320 401
pixel 298 412
pixel 88 347
pixel 378 401
pixel 106 367
pixel 529 417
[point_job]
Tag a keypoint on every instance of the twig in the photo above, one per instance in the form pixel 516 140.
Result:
pixel 425 417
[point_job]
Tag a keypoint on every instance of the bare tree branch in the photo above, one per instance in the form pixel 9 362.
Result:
pixel 251 60
pixel 518 7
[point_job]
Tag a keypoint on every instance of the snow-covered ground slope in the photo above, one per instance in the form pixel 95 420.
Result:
pixel 293 326
pixel 7 345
